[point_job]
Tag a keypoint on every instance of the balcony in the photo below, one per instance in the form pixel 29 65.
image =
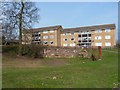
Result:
pixel 35 35
pixel 89 35
pixel 89 40
pixel 79 40
pixel 84 40
pixel 79 35
pixel 84 35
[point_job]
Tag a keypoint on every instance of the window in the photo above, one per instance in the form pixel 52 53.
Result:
pixel 65 39
pixel 79 35
pixel 72 39
pixel 98 31
pixel 45 42
pixel 64 34
pixel 107 37
pixel 107 30
pixel 51 42
pixel 89 39
pixel 23 42
pixel 45 37
pixel 88 32
pixel 64 44
pixel 73 44
pixel 89 35
pixel 84 35
pixel 108 44
pixel 79 40
pixel 36 38
pixel 98 37
pixel 52 31
pixel 83 32
pixel 98 44
pixel 72 33
pixel 84 38
pixel 45 31
pixel 89 44
pixel 51 36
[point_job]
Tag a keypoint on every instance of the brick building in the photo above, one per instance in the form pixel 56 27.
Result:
pixel 98 35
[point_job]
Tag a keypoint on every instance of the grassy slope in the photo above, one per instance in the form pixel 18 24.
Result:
pixel 75 73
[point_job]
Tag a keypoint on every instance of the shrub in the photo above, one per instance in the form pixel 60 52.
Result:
pixel 11 49
pixel 32 50
pixel 27 50
pixel 92 53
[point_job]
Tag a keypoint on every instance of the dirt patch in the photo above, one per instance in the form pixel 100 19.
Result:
pixel 21 61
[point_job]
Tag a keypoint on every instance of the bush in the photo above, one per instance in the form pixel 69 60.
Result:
pixel 32 50
pixel 94 53
pixel 27 50
pixel 10 49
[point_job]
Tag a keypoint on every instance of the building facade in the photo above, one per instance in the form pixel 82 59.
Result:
pixel 46 36
pixel 98 35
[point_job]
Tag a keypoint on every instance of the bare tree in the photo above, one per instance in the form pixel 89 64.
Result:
pixel 18 16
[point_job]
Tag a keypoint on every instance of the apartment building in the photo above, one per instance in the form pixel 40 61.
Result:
pixel 46 36
pixel 98 35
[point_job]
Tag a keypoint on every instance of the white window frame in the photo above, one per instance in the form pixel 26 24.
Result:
pixel 45 31
pixel 51 36
pixel 83 32
pixel 107 44
pixel 39 38
pixel 23 42
pixel 88 32
pixel 98 44
pixel 51 31
pixel 64 39
pixel 45 37
pixel 107 30
pixel 72 33
pixel 98 37
pixel 64 34
pixel 51 41
pixel 72 40
pixel 72 44
pixel 44 42
pixel 89 38
pixel 107 37
pixel 65 44
pixel 98 31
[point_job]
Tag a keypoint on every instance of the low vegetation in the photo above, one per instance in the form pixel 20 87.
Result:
pixel 27 50
pixel 26 72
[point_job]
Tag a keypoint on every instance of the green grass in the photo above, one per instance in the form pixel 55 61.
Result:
pixel 111 49
pixel 69 73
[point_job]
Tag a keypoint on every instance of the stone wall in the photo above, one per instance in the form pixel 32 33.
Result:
pixel 64 52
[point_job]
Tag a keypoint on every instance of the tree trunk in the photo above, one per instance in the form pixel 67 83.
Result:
pixel 20 28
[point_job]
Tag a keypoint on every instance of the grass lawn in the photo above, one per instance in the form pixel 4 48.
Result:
pixel 23 72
